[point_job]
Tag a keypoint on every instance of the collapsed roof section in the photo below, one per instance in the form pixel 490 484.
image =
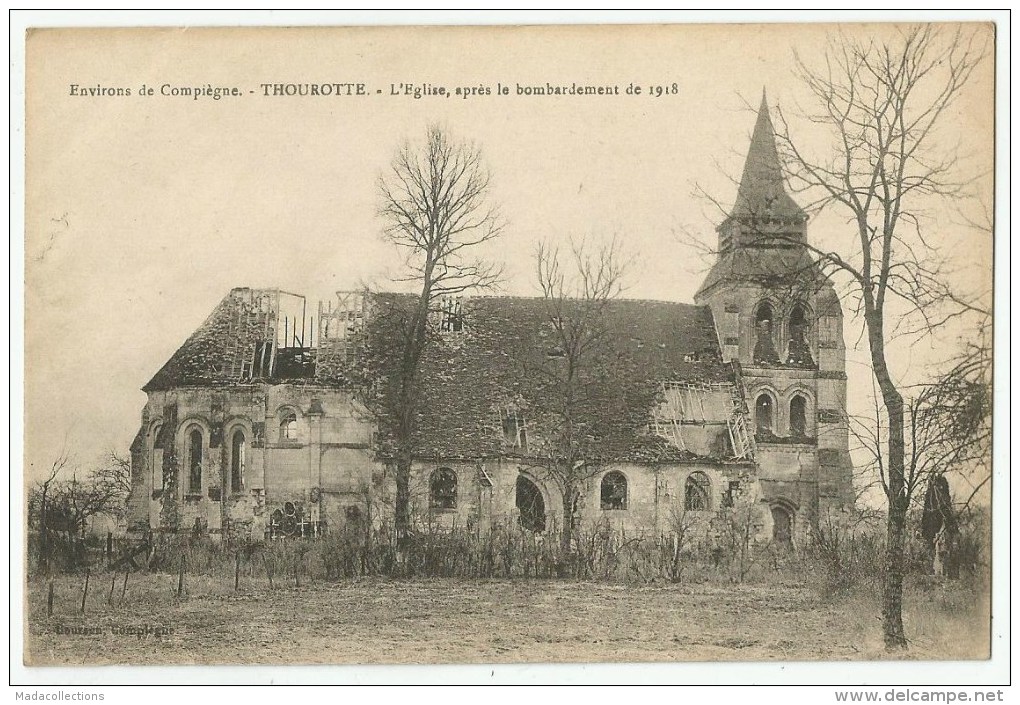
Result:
pixel 252 334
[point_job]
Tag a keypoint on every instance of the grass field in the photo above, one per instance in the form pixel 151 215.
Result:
pixel 497 621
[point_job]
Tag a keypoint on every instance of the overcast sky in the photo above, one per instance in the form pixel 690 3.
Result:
pixel 143 212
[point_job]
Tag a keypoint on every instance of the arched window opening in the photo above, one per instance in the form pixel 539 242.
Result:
pixel 798 417
pixel 614 490
pixel 764 341
pixel 799 351
pixel 443 489
pixel 237 452
pixel 288 427
pixel 697 491
pixel 530 505
pixel 763 415
pixel 782 526
pixel 195 461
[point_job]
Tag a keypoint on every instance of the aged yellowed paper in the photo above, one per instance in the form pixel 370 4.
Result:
pixel 508 344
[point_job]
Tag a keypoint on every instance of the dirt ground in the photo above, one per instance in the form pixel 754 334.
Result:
pixel 498 621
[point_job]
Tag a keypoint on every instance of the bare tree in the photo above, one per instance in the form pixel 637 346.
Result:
pixel 434 203
pixel 883 104
pixel 947 442
pixel 949 432
pixel 740 526
pixel 103 490
pixel 39 500
pixel 63 507
pixel 676 546
pixel 572 385
pixel 112 479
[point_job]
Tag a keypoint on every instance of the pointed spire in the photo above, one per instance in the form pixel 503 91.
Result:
pixel 762 191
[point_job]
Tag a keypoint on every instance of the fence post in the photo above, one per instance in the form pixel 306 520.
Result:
pixel 49 600
pixel 124 588
pixel 85 592
pixel 237 571
pixel 113 584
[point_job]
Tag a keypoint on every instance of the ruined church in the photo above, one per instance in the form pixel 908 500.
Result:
pixel 253 430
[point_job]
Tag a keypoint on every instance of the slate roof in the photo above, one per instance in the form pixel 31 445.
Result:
pixel 203 359
pixel 207 358
pixel 762 196
pixel 766 266
pixel 468 376
pixel 762 191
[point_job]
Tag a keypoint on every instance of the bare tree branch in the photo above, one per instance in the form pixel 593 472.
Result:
pixel 433 204
pixel 882 103
pixel 569 386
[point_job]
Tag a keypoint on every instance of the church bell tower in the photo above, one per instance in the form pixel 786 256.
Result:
pixel 779 317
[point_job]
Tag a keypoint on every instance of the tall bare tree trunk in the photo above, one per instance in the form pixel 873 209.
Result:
pixel 892 589
pixel 414 348
pixel 402 509
pixel 433 203
pixel 567 535
pixel 44 535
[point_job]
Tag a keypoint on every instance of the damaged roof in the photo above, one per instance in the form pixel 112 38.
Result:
pixel 470 375
pixel 203 359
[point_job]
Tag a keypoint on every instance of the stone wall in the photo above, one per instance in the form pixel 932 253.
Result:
pixel 274 469
pixel 327 473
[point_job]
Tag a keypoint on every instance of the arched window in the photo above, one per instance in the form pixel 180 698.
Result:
pixel 799 351
pixel 237 448
pixel 763 415
pixel 782 525
pixel 195 461
pixel 443 489
pixel 530 505
pixel 288 427
pixel 798 416
pixel 697 491
pixel 764 338
pixel 614 490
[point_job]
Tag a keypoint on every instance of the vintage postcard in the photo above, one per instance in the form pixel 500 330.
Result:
pixel 508 344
